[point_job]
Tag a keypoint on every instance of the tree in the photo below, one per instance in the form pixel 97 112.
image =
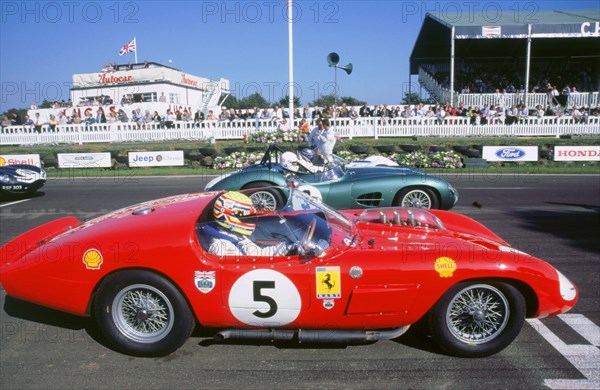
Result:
pixel 350 101
pixel 231 102
pixel 45 104
pixel 415 98
pixel 324 100
pixel 285 101
pixel 330 100
pixel 21 112
pixel 254 100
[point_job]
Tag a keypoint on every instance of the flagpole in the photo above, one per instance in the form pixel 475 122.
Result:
pixel 291 65
pixel 135 52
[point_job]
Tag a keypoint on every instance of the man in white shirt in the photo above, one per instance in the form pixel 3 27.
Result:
pixel 327 140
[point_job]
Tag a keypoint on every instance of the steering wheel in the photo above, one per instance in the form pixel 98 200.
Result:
pixel 307 238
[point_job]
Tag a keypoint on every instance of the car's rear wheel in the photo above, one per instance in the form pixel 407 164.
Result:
pixel 477 319
pixel 421 197
pixel 263 198
pixel 141 313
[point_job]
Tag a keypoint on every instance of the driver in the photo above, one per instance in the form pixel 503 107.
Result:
pixel 231 237
pixel 291 162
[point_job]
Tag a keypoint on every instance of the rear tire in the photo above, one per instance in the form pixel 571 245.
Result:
pixel 142 314
pixel 264 198
pixel 477 319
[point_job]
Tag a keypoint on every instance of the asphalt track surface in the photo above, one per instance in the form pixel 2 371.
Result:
pixel 556 218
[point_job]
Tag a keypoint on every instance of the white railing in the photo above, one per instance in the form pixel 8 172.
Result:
pixel 585 99
pixel 345 128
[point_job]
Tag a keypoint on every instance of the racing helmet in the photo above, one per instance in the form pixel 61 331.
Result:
pixel 308 154
pixel 289 161
pixel 228 210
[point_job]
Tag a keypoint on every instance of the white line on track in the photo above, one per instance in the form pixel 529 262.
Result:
pixel 11 203
pixel 494 188
pixel 585 358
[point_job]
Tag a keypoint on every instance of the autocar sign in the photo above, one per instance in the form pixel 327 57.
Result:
pixel 510 153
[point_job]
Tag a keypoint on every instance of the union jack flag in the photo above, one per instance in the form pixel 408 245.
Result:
pixel 128 48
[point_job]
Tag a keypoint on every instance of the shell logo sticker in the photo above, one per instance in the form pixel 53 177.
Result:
pixel 445 266
pixel 2 161
pixel 92 258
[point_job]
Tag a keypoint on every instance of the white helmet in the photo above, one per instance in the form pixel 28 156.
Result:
pixel 289 161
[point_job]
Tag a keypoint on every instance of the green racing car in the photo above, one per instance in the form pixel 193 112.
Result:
pixel 341 185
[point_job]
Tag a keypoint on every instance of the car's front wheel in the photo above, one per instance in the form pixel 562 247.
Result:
pixel 141 313
pixel 422 198
pixel 477 319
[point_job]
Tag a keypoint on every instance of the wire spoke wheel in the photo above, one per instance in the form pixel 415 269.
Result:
pixel 417 198
pixel 477 314
pixel 142 313
pixel 264 200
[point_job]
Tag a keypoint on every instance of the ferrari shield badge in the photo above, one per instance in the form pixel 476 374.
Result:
pixel 328 282
pixel 204 281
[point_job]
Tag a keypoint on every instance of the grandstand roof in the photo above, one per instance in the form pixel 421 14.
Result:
pixel 490 35
pixel 491 17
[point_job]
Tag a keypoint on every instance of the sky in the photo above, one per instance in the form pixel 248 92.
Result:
pixel 42 43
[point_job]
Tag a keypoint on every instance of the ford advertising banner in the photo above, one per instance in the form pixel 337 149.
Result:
pixel 156 159
pixel 510 153
pixel 577 153
pixel 13 159
pixel 84 160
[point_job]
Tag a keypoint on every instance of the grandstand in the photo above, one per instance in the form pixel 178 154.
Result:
pixel 470 59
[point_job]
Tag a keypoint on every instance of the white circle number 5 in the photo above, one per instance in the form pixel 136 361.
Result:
pixel 264 297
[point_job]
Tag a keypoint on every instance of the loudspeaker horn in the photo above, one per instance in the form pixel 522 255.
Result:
pixel 347 68
pixel 333 59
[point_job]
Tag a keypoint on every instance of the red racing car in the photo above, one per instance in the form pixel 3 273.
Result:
pixel 150 273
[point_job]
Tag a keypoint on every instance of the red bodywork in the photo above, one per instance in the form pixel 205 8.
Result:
pixel 404 269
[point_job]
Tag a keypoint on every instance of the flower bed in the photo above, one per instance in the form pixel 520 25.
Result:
pixel 236 160
pixel 279 136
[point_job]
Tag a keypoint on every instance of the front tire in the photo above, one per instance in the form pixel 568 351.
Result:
pixel 142 314
pixel 422 198
pixel 477 319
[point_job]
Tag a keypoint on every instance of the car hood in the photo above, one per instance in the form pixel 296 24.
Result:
pixel 384 171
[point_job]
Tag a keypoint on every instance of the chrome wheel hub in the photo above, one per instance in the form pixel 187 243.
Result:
pixel 142 313
pixel 477 314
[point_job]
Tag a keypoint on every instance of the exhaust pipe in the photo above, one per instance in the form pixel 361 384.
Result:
pixel 340 336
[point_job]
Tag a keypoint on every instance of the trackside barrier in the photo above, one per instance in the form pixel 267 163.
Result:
pixel 344 127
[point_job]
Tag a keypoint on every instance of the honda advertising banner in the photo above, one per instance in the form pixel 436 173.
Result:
pixel 156 159
pixel 13 159
pixel 84 160
pixel 510 153
pixel 577 153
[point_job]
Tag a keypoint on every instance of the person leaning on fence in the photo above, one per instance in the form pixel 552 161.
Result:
pixel 100 117
pixel 27 124
pixel 170 120
pixel 53 123
pixel 38 122
pixel 6 122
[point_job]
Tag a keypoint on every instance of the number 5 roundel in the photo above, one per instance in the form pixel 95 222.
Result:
pixel 264 297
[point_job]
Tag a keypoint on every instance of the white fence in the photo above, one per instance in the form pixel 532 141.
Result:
pixel 345 127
